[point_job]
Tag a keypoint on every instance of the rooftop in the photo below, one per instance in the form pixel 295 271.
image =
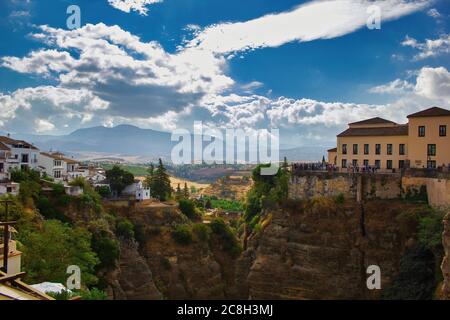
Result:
pixel 332 150
pixel 376 120
pixel 58 156
pixel 397 130
pixel 9 141
pixel 430 112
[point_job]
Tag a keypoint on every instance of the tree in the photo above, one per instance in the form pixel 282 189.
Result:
pixel 186 191
pixel 178 193
pixel 159 183
pixel 119 179
pixel 47 252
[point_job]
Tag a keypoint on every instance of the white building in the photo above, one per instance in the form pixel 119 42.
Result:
pixel 137 190
pixel 17 153
pixel 58 166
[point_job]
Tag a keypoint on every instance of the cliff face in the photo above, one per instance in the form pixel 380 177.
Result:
pixel 192 271
pixel 446 261
pixel 133 279
pixel 318 249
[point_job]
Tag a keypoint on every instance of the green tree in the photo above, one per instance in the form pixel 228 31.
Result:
pixel 48 251
pixel 186 191
pixel 119 179
pixel 187 207
pixel 159 183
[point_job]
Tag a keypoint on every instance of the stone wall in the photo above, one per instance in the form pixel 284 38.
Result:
pixel 361 186
pixel 352 186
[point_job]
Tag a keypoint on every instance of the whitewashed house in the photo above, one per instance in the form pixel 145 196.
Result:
pixel 17 154
pixel 137 190
pixel 58 166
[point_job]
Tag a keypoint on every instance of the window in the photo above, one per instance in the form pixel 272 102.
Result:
pixel 389 149
pixel 389 164
pixel 401 149
pixel 344 163
pixel 421 131
pixel 443 131
pixel 24 158
pixel 431 150
pixel 366 149
pixel 57 163
pixel 355 163
pixel 355 149
pixel 366 163
pixel 57 174
pixel 344 149
pixel 378 148
pixel 431 164
pixel 401 164
pixel 378 164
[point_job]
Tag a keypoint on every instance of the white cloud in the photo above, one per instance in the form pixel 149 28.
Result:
pixel 133 5
pixel 429 48
pixel 118 78
pixel 434 83
pixel 311 21
pixel 43 125
pixel 433 12
pixel 394 87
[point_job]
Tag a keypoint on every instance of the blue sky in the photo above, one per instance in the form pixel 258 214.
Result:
pixel 307 69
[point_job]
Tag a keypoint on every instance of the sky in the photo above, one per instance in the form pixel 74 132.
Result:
pixel 305 67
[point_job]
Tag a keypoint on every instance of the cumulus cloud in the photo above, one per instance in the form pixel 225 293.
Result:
pixel 434 83
pixel 43 125
pixel 141 6
pixel 118 78
pixel 394 87
pixel 429 48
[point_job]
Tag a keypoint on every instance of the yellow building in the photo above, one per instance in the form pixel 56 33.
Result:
pixel 376 142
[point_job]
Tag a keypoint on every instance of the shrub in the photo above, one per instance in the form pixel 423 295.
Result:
pixel 202 231
pixel 182 234
pixel 340 198
pixel 107 250
pixel 93 294
pixel 103 191
pixel 228 239
pixel 125 229
pixel 187 207
pixel 416 279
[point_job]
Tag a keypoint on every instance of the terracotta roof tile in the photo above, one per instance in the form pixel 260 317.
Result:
pixel 376 120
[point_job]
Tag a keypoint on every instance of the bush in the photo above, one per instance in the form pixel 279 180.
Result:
pixel 430 230
pixel 107 250
pixel 103 191
pixel 182 234
pixel 416 279
pixel 228 239
pixel 93 294
pixel 202 232
pixel 125 229
pixel 187 207
pixel 340 198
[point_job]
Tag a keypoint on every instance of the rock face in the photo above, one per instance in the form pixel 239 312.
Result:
pixel 199 270
pixel 446 261
pixel 320 250
pixel 132 280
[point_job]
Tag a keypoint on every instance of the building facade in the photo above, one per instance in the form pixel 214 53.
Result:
pixel 18 153
pixel 58 166
pixel 378 143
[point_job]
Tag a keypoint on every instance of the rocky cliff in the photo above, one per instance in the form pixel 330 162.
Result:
pixel 317 249
pixel 162 268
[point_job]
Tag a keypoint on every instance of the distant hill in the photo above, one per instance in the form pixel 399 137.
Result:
pixel 130 140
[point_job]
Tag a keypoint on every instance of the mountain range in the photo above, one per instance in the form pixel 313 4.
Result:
pixel 127 140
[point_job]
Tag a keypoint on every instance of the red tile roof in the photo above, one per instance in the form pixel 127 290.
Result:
pixel 430 112
pixel 332 150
